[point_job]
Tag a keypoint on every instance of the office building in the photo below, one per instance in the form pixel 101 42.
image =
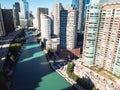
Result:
pixel 81 16
pixel 30 20
pixel 39 11
pixel 45 27
pixel 56 14
pixel 16 10
pixel 68 34
pixel 91 30
pixel 52 25
pixel 8 20
pixel 52 44
pixel 2 30
pixel 24 13
pixel 108 40
pixel 116 61
pixel 87 1
pixel 75 4
pixel 80 5
pixel 68 25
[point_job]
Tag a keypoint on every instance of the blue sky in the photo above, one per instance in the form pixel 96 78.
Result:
pixel 34 4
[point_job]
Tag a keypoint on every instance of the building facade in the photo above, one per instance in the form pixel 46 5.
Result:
pixel 91 30
pixel 8 20
pixel 81 16
pixel 68 25
pixel 2 30
pixel 90 34
pixel 52 44
pixel 108 41
pixel 116 64
pixel 24 13
pixel 16 10
pixel 45 28
pixel 88 1
pixel 56 15
pixel 39 11
pixel 75 4
pixel 68 34
pixel 30 21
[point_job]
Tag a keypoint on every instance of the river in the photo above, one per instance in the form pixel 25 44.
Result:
pixel 33 71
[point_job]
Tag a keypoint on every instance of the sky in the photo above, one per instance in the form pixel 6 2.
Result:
pixel 34 4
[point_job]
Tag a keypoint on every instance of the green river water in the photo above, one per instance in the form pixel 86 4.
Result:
pixel 33 72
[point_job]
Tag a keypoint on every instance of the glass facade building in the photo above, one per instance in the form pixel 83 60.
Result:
pixel 24 13
pixel 75 4
pixel 91 30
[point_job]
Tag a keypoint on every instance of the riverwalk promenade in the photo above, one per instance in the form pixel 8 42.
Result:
pixel 62 72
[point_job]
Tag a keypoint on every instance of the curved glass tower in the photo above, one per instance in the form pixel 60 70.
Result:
pixel 91 30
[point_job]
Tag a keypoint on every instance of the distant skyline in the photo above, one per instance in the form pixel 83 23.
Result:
pixel 34 4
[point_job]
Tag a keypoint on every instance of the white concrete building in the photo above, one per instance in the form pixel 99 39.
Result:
pixel 53 43
pixel 56 14
pixel 45 27
pixel 91 30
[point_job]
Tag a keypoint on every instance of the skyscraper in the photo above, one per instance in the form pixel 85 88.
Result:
pixel 68 34
pixel 24 13
pixel 91 30
pixel 30 21
pixel 56 14
pixel 68 25
pixel 45 27
pixel 108 40
pixel 80 5
pixel 16 10
pixel 8 20
pixel 75 4
pixel 2 30
pixel 81 16
pixel 39 11
pixel 87 1
pixel 116 61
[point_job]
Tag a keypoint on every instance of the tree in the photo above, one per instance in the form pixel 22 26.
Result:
pixel 53 58
pixel 80 56
pixel 70 67
pixel 94 88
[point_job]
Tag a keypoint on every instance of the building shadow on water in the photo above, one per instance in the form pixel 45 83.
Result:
pixel 34 73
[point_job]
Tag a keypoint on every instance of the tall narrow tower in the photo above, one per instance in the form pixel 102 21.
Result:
pixel 56 15
pixel 45 27
pixel 39 11
pixel 91 30
pixel 81 16
pixel 16 10
pixel 2 30
pixel 24 13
